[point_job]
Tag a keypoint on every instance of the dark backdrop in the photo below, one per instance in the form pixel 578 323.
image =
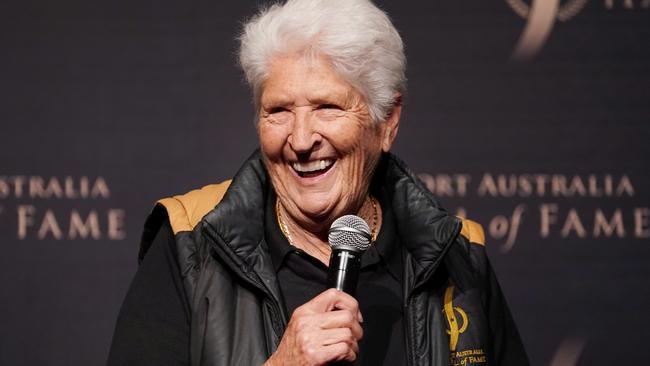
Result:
pixel 107 106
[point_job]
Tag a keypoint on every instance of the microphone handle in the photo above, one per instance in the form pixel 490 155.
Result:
pixel 344 270
pixel 343 275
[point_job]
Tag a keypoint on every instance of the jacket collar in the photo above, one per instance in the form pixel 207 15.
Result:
pixel 425 229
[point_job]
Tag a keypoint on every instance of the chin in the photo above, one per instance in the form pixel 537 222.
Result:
pixel 316 205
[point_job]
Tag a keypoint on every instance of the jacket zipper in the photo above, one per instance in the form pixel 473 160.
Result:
pixel 274 307
pixel 255 282
pixel 410 349
pixel 410 360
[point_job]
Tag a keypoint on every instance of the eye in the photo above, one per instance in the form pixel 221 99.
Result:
pixel 329 106
pixel 277 110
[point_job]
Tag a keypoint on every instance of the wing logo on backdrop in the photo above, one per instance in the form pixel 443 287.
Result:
pixel 541 16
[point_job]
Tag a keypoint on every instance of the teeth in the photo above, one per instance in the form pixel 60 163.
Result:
pixel 312 166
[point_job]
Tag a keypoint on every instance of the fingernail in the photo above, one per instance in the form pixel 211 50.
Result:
pixel 360 317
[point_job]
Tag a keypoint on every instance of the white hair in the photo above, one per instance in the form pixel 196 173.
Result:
pixel 358 38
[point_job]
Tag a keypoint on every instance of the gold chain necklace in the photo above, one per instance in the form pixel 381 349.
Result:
pixel 285 229
pixel 375 218
pixel 283 226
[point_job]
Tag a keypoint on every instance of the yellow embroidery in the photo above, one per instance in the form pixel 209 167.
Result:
pixel 450 312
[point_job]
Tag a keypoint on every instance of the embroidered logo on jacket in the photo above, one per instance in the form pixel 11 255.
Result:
pixel 456 328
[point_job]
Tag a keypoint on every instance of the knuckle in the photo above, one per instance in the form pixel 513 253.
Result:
pixel 332 292
pixel 353 356
pixel 303 340
pixel 342 348
pixel 348 317
pixel 311 352
pixel 301 323
pixel 348 353
pixel 351 342
pixel 299 311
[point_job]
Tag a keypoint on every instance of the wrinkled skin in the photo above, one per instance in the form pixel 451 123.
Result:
pixel 308 113
pixel 325 329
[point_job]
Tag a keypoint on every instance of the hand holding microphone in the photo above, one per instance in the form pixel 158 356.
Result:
pixel 327 328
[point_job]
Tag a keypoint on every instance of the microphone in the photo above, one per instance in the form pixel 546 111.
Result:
pixel 349 237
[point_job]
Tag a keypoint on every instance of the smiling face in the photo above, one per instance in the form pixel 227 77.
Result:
pixel 318 141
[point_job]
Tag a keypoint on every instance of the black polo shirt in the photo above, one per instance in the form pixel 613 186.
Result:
pixel 379 290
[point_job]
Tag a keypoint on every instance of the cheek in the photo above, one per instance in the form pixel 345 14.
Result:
pixel 367 151
pixel 346 137
pixel 361 141
pixel 272 139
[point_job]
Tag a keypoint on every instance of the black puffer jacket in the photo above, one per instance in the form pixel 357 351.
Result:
pixel 454 311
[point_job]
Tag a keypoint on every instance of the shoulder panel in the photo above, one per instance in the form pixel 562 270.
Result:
pixel 473 232
pixel 185 211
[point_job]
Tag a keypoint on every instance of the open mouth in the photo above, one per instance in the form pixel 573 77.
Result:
pixel 312 168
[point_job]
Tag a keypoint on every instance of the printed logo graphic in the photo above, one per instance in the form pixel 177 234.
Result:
pixel 541 16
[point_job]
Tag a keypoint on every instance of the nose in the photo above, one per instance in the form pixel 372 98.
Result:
pixel 304 137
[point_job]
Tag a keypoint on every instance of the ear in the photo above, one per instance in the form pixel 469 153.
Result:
pixel 391 124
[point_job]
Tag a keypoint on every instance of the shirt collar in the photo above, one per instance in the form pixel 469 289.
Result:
pixel 385 249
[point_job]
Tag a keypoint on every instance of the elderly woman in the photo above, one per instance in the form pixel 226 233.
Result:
pixel 235 273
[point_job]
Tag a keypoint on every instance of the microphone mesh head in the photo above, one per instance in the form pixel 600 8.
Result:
pixel 349 232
